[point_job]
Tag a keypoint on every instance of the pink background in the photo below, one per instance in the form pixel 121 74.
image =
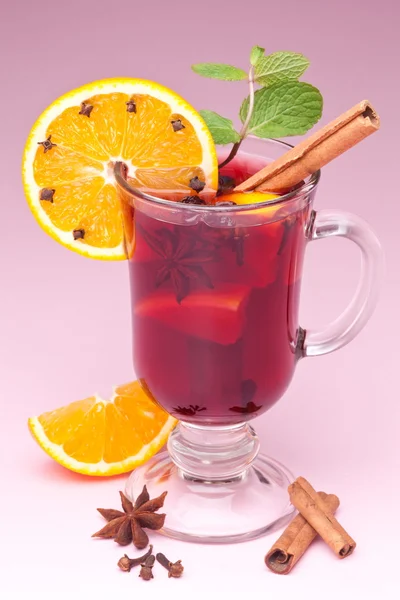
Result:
pixel 65 324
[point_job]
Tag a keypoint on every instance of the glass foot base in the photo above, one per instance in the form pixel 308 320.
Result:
pixel 244 508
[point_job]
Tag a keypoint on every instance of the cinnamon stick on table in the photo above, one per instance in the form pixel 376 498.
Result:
pixel 316 151
pixel 295 540
pixel 313 508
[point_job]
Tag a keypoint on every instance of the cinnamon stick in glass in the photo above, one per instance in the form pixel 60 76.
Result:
pixel 312 507
pixel 295 540
pixel 316 151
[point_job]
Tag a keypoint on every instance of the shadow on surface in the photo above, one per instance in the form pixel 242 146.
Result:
pixel 49 469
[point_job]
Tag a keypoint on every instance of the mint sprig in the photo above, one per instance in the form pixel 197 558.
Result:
pixel 284 109
pixel 256 54
pixel 219 71
pixel 221 128
pixel 282 106
pixel 280 66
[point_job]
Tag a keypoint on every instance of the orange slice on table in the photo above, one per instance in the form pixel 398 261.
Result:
pixel 104 437
pixel 69 156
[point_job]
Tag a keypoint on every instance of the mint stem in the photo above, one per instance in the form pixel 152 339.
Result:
pixel 243 131
pixel 231 154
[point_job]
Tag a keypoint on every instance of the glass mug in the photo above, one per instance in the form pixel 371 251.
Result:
pixel 215 301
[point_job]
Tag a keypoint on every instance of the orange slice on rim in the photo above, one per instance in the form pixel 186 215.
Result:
pixel 69 156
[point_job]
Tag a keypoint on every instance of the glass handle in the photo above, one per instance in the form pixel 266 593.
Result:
pixel 329 223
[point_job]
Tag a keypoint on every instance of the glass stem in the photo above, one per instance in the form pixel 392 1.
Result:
pixel 213 454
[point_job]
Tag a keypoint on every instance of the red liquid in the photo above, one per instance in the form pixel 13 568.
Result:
pixel 216 326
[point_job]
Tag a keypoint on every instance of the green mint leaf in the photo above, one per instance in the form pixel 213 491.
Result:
pixel 284 109
pixel 217 71
pixel 256 53
pixel 280 66
pixel 221 129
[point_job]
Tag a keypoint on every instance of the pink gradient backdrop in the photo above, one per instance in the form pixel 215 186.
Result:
pixel 65 324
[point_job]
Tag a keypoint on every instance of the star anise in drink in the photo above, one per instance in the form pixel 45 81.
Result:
pixel 248 390
pixel 182 260
pixel 128 526
pixel 189 411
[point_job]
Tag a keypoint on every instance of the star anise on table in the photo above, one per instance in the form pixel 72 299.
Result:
pixel 128 526
pixel 182 260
